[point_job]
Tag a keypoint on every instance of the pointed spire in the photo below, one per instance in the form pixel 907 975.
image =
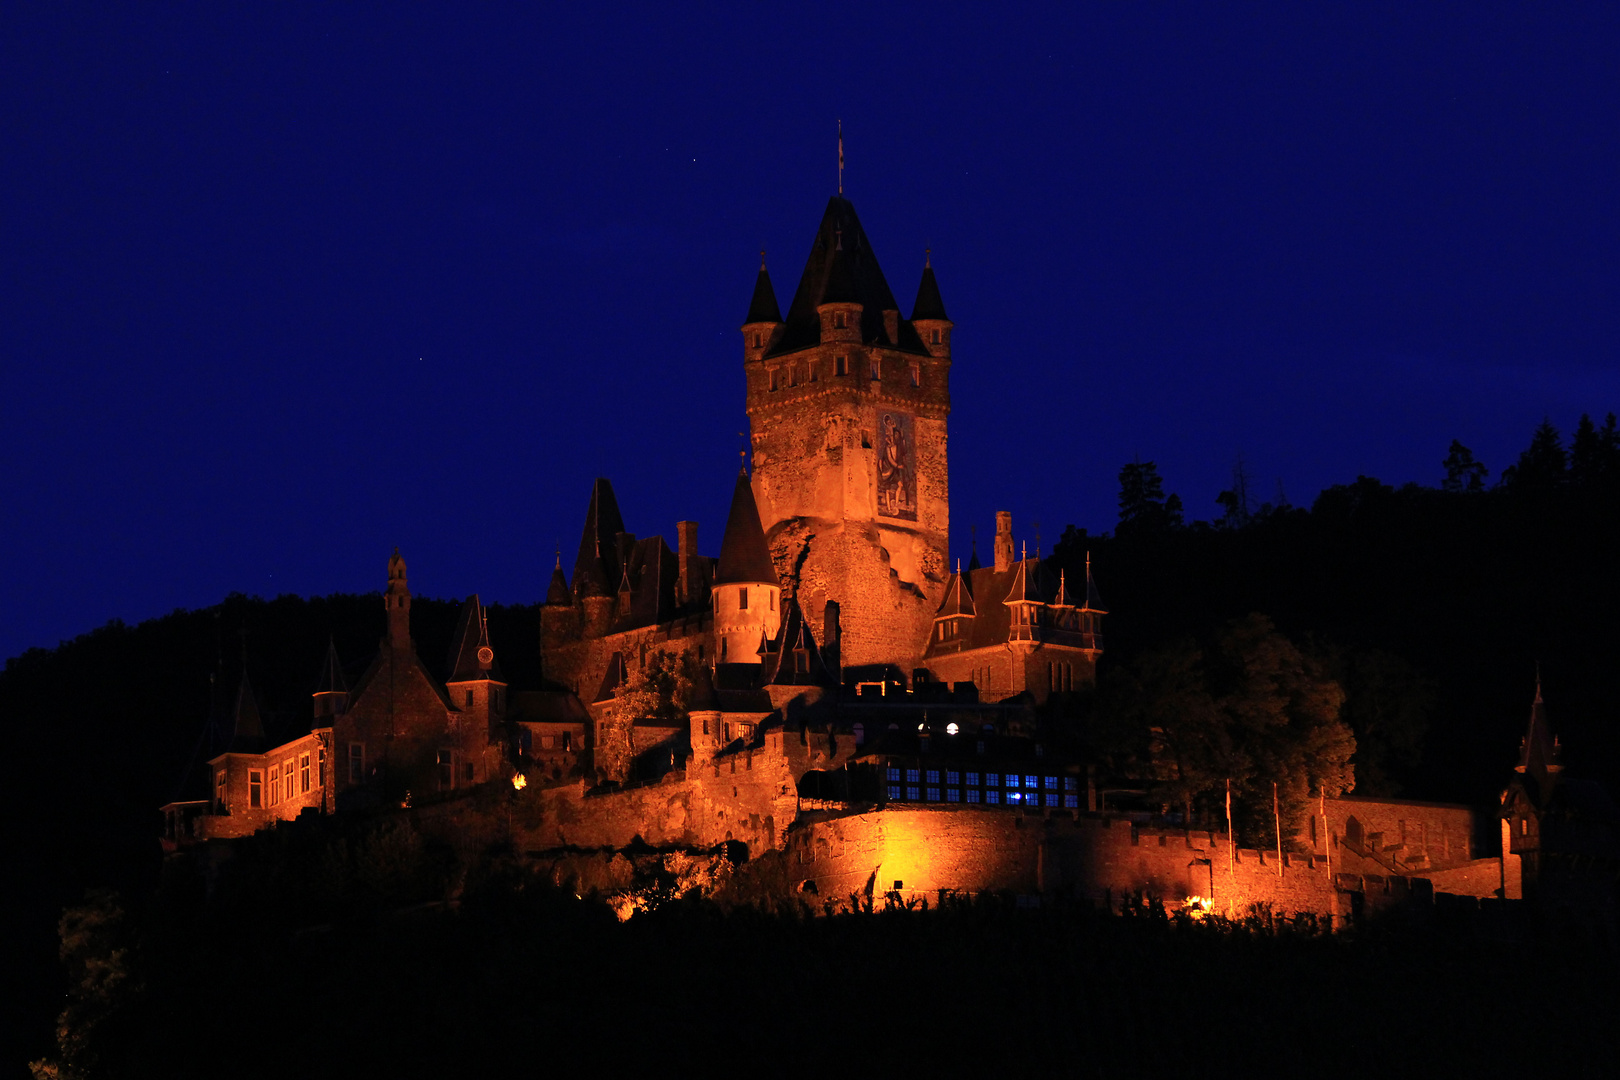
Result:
pixel 1063 599
pixel 1093 601
pixel 332 680
pixel 840 231
pixel 973 556
pixel 1025 587
pixel 247 729
pixel 840 288
pixel 744 556
pixel 596 571
pixel 958 597
pixel 929 304
pixel 471 657
pixel 1538 756
pixel 557 594
pixel 763 307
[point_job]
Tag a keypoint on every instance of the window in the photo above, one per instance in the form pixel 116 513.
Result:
pixel 933 337
pixel 287 778
pixel 322 757
pixel 1051 800
pixel 1051 783
pixel 773 378
pixel 447 770
pixel 877 371
pixel 952 795
pixel 973 779
pixel 911 792
pixel 275 784
pixel 894 791
pixel 911 776
pixel 219 791
pixel 705 725
pixel 952 776
pixel 467 772
pixel 1015 797
pixel 1071 783
pixel 1032 781
pixel 933 776
pixel 759 339
pixel 991 779
pixel 916 375
pixel 357 763
pixel 972 795
pixel 255 788
pixel 469 698
pixel 1071 802
pixel 742 598
pixel 773 600
pixel 992 797
pixel 840 365
pixel 303 773
pixel 933 794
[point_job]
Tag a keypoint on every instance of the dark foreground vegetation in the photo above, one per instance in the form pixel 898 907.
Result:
pixel 523 975
pixel 1429 607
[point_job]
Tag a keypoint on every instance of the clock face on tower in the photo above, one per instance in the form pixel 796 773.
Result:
pixel 486 655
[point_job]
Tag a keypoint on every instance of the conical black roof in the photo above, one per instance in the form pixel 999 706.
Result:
pixel 247 729
pixel 928 305
pixel 841 245
pixel 596 571
pixel 744 556
pixel 557 593
pixel 470 647
pixel 762 308
pixel 332 680
pixel 958 598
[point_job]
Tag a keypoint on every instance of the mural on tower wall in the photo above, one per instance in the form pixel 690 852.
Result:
pixel 897 471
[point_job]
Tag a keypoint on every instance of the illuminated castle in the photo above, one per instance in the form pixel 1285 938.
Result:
pixel 855 708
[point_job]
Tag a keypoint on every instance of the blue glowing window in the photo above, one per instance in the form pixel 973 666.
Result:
pixel 992 796
pixel 992 779
pixel 933 794
pixel 1051 783
pixel 911 776
pixel 952 795
pixel 973 779
pixel 911 792
pixel 1071 783
pixel 1071 802
pixel 1051 800
pixel 953 777
pixel 1013 796
pixel 894 791
pixel 1032 781
pixel 894 773
pixel 933 776
pixel 973 796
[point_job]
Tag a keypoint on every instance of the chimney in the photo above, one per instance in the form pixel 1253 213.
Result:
pixel 686 554
pixel 1004 541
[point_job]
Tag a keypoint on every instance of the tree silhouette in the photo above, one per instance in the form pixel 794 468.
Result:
pixel 1143 506
pixel 1543 466
pixel 1463 472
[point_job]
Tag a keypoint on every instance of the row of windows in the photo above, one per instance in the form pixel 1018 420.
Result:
pixel 287 781
pixel 794 374
pixel 913 793
pixel 1009 780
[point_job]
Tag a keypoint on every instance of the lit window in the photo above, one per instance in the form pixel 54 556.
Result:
pixel 911 792
pixel 275 784
pixel 952 776
pixel 1051 800
pixel 219 791
pixel 973 779
pixel 1071 802
pixel 357 763
pixel 991 779
pixel 1032 781
pixel 1014 796
pixel 894 791
pixel 933 776
pixel 933 794
pixel 972 795
pixel 951 729
pixel 992 796
pixel 894 773
pixel 255 788
pixel 303 772
pixel 911 776
pixel 1051 783
pixel 952 795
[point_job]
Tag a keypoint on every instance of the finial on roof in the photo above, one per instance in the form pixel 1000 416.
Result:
pixel 1538 682
pixel 1023 550
pixel 840 233
pixel 840 158
pixel 762 258
pixel 928 258
pixel 959 564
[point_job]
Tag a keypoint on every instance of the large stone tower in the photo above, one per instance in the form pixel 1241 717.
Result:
pixel 847 406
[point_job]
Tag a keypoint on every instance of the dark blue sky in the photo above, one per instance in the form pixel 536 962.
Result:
pixel 286 286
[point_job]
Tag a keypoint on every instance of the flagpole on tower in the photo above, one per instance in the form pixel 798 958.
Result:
pixel 840 159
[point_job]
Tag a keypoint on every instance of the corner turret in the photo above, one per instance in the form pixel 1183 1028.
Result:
pixel 332 691
pixel 398 602
pixel 764 318
pixel 928 314
pixel 476 687
pixel 747 594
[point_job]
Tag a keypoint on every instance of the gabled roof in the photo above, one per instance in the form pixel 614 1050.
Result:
pixel 762 308
pixel 651 572
pixel 331 680
pixel 596 570
pixel 470 646
pixel 781 660
pixel 744 556
pixel 928 305
pixel 858 279
pixel 958 598
pixel 1026 585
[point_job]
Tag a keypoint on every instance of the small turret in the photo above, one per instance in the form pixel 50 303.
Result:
pixel 764 319
pixel 1004 541
pixel 596 571
pixel 928 314
pixel 1025 601
pixel 398 602
pixel 332 690
pixel 747 594
pixel 475 684
pixel 956 611
pixel 840 309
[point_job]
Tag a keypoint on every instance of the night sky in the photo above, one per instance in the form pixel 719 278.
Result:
pixel 284 286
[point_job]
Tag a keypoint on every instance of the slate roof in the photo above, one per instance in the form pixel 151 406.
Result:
pixel 744 556
pixel 557 593
pixel 990 592
pixel 331 680
pixel 929 305
pixel 849 274
pixel 596 570
pixel 763 308
pixel 472 634
pixel 780 666
pixel 651 572
pixel 958 597
pixel 612 679
pixel 247 728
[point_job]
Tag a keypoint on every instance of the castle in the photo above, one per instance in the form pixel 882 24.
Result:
pixel 848 702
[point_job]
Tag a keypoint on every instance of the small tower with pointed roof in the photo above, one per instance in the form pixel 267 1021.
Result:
pixel 332 690
pixel 747 595
pixel 397 600
pixel 597 570
pixel 476 687
pixel 928 314
pixel 764 319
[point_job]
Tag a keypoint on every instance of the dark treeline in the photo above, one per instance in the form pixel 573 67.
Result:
pixel 1447 596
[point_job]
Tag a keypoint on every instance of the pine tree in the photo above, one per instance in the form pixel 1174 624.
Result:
pixel 1463 473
